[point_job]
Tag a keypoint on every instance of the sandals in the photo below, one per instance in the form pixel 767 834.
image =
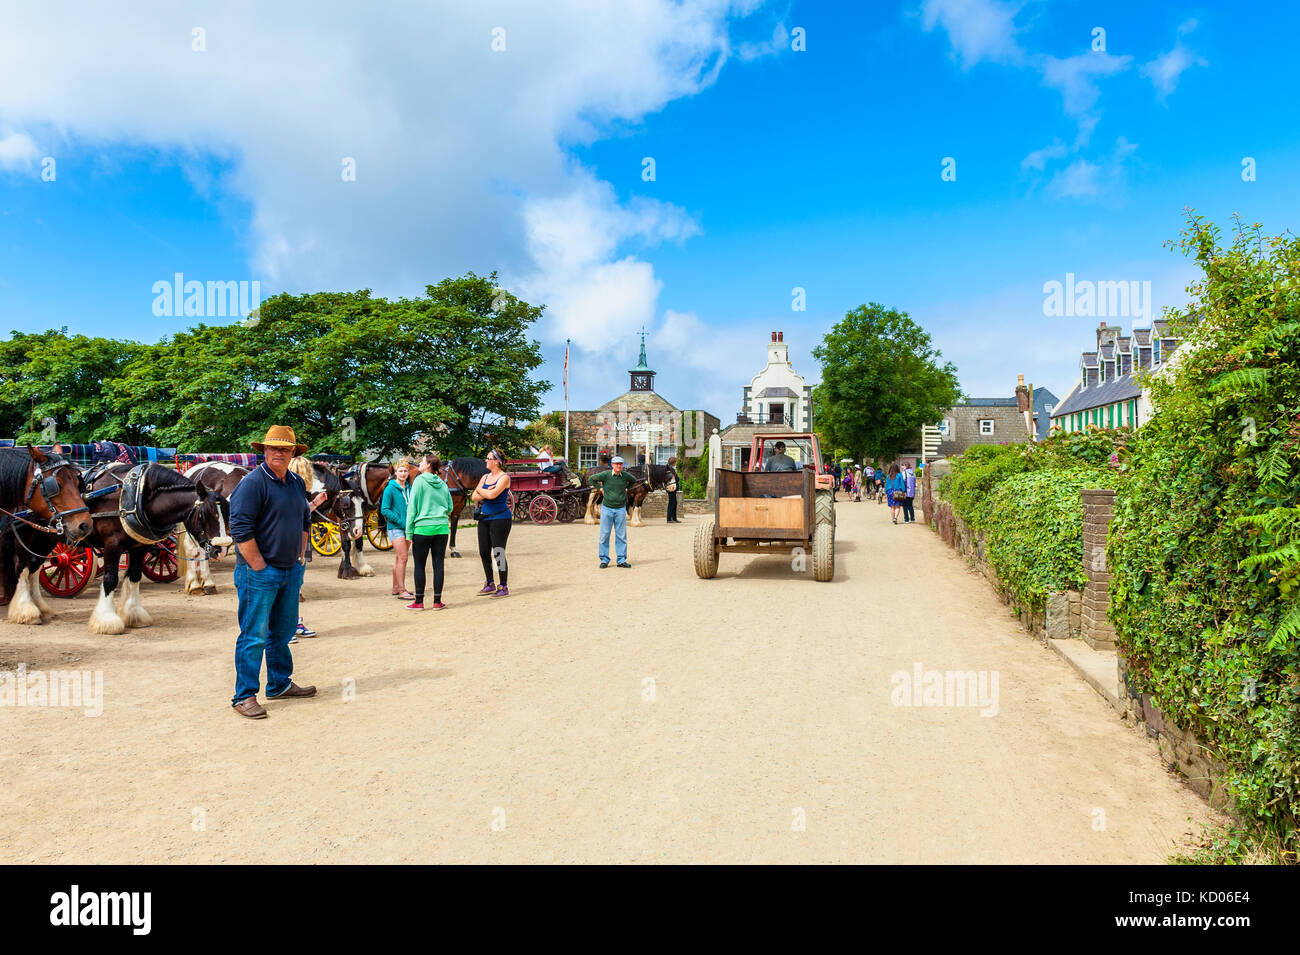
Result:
pixel 405 595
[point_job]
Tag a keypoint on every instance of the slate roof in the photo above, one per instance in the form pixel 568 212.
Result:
pixel 1118 389
pixel 1090 359
pixel 781 392
pixel 1143 335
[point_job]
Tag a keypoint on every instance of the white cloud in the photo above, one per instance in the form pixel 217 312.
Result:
pixel 461 152
pixel 17 151
pixel 1166 69
pixel 1086 179
pixel 978 29
pixel 1039 157
pixel 1075 77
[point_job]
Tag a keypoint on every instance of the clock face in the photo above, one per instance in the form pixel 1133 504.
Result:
pixel 640 381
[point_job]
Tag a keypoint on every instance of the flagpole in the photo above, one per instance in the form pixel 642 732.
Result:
pixel 566 403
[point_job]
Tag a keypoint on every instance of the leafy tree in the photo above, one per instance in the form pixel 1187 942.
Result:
pixel 881 380
pixel 55 377
pixel 350 372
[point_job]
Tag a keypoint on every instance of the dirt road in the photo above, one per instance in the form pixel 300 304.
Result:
pixel 615 715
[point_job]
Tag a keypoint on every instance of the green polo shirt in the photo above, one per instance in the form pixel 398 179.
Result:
pixel 614 487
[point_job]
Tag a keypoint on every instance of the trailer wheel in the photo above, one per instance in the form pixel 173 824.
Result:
pixel 706 551
pixel 824 508
pixel 823 548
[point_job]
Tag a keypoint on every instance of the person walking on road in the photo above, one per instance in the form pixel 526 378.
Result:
pixel 672 494
pixel 909 494
pixel 614 485
pixel 393 506
pixel 269 523
pixel 427 525
pixel 895 488
pixel 494 522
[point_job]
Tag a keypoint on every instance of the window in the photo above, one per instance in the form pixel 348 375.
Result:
pixel 776 413
pixel 737 459
pixel 945 428
pixel 586 456
pixel 986 425
pixel 663 452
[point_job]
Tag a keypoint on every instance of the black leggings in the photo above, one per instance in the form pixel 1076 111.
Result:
pixel 421 546
pixel 492 540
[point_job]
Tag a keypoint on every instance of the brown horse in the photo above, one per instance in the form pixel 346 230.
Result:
pixel 40 501
pixel 366 481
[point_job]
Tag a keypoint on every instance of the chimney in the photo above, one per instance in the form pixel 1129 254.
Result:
pixel 780 336
pixel 774 336
pixel 1022 394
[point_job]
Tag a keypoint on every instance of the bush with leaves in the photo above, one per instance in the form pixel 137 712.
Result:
pixel 1204 550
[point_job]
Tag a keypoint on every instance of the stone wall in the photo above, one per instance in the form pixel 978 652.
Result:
pixel 1178 748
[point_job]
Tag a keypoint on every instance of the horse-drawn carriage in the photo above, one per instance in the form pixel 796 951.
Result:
pixel 544 497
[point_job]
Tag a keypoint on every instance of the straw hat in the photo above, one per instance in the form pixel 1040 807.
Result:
pixel 280 436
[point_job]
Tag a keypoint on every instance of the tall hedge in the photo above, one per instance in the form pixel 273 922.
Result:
pixel 1204 550
pixel 1025 500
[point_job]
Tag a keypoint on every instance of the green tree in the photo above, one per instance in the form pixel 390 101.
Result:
pixel 881 380
pixel 55 377
pixel 350 372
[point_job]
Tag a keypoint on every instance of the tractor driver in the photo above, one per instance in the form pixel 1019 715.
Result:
pixel 780 461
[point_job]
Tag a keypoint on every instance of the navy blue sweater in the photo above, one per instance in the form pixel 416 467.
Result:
pixel 272 512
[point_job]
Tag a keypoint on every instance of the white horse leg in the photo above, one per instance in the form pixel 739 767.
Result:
pixel 131 609
pixel 22 609
pixel 186 551
pixel 205 576
pixel 38 594
pixel 591 504
pixel 105 618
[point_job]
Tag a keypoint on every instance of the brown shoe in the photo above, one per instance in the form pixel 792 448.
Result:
pixel 251 708
pixel 294 690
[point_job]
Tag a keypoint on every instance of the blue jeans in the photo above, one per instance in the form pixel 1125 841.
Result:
pixel 616 518
pixel 268 616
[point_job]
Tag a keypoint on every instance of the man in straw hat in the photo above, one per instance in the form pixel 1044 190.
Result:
pixel 269 521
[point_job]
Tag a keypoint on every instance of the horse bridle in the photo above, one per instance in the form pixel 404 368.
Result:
pixel 48 484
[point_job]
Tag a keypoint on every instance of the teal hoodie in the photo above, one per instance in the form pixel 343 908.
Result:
pixel 429 509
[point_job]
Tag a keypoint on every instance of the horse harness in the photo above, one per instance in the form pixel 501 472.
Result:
pixel 130 509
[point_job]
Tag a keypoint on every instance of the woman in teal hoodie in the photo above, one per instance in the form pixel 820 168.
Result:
pixel 427 525
pixel 397 493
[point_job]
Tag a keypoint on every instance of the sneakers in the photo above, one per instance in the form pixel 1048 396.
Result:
pixel 415 605
pixel 502 592
pixel 489 590
pixel 437 605
pixel 303 630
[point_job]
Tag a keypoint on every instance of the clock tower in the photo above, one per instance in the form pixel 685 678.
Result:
pixel 643 377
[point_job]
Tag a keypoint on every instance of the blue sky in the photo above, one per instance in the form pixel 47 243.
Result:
pixel 774 168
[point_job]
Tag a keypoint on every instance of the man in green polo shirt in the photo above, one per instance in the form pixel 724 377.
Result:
pixel 614 485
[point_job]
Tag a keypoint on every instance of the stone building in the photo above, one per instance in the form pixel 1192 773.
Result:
pixel 776 399
pixel 635 420
pixel 996 420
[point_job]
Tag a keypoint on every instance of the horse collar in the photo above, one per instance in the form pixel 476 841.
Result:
pixel 130 509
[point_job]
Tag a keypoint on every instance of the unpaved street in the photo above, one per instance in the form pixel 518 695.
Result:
pixel 595 716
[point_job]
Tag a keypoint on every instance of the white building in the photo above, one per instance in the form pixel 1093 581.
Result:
pixel 776 399
pixel 778 394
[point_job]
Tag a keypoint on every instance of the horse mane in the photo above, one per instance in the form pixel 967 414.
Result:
pixel 164 478
pixel 304 469
pixel 470 467
pixel 14 464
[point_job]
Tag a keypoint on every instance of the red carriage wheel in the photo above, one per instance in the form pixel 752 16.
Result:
pixel 160 563
pixel 67 570
pixel 543 508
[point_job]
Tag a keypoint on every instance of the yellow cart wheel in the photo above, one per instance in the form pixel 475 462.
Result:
pixel 375 534
pixel 325 539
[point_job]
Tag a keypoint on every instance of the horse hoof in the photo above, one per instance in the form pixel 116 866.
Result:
pixel 366 571
pixel 109 626
pixel 26 616
pixel 454 553
pixel 349 574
